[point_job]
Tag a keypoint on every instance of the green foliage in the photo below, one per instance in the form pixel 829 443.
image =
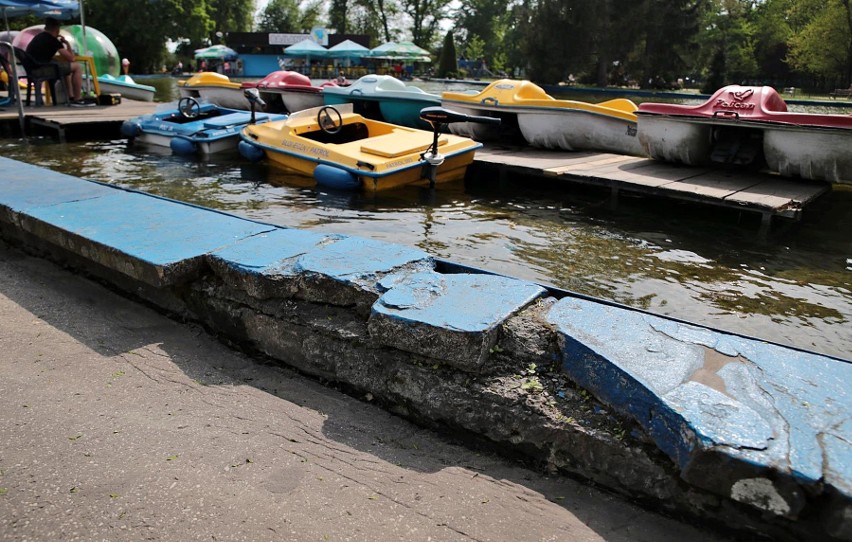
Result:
pixel 448 62
pixel 602 42
pixel 483 25
pixel 374 18
pixel 290 16
pixel 727 36
pixel 337 18
pixel 426 16
pixel 823 44
pixel 715 78
pixel 154 22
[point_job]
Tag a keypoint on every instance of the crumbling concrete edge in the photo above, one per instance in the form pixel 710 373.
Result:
pixel 374 317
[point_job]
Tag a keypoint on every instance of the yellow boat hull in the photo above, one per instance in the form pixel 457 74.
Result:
pixel 379 155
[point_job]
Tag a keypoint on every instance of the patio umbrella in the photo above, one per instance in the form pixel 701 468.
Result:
pixel 216 52
pixel 348 50
pixel 404 50
pixel 58 9
pixel 307 48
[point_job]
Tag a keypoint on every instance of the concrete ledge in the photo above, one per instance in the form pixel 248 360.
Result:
pixel 154 240
pixel 454 318
pixel 778 419
pixel 687 419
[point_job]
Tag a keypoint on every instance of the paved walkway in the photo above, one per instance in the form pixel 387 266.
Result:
pixel 117 423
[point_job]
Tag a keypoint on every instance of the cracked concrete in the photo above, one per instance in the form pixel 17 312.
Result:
pixel 592 389
pixel 119 424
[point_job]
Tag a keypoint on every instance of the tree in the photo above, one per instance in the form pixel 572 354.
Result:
pixel 772 32
pixel 823 45
pixel 426 16
pixel 556 37
pixel 669 31
pixel 487 21
pixel 728 42
pixel 378 19
pixel 337 15
pixel 164 20
pixel 230 16
pixel 290 16
pixel 448 61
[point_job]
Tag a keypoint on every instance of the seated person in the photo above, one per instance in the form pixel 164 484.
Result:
pixel 46 44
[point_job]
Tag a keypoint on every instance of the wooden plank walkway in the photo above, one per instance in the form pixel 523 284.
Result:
pixel 63 118
pixel 764 193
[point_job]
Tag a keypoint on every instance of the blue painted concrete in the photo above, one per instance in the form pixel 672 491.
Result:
pixel 271 252
pixel 453 318
pixel 151 239
pixel 24 187
pixel 354 259
pixel 699 391
pixel 466 303
pixel 753 421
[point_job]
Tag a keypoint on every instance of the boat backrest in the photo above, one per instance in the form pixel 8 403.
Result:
pixel 344 109
pixel 231 120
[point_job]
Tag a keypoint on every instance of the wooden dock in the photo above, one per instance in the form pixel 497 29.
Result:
pixel 62 119
pixel 769 195
pixel 764 193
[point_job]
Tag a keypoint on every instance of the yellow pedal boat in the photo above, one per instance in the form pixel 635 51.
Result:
pixel 214 88
pixel 342 149
pixel 546 122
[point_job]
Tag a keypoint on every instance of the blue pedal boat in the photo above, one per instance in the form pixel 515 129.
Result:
pixel 193 127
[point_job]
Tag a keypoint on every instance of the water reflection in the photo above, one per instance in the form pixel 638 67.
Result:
pixel 695 263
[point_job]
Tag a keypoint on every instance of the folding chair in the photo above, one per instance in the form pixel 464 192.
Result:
pixel 37 74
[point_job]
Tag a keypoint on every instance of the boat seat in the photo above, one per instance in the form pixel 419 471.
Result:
pixel 398 144
pixel 234 118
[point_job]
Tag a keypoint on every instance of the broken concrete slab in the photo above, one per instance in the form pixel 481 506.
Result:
pixel 686 390
pixel 770 423
pixel 347 272
pixel 453 318
pixel 264 265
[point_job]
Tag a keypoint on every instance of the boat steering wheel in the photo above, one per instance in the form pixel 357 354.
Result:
pixel 327 122
pixel 189 107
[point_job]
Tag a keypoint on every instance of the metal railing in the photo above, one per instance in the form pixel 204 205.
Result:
pixel 14 90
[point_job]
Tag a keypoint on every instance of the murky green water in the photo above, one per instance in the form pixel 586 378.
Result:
pixel 696 263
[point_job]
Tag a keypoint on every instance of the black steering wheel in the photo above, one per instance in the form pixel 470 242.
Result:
pixel 189 107
pixel 327 122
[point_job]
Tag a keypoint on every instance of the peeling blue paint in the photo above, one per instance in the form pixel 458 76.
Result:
pixel 352 259
pixel 467 303
pixel 763 405
pixel 742 408
pixel 272 252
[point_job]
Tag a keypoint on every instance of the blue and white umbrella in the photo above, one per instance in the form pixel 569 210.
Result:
pixel 58 9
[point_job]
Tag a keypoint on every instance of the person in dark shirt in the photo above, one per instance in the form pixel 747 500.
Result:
pixel 46 45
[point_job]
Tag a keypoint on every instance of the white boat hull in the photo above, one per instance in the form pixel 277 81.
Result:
pixel 299 101
pixel 572 130
pixel 473 130
pixel 126 91
pixel 203 148
pixel 188 92
pixel 810 153
pixel 232 98
pixel 673 140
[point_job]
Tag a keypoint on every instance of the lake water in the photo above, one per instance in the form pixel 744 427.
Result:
pixel 695 263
